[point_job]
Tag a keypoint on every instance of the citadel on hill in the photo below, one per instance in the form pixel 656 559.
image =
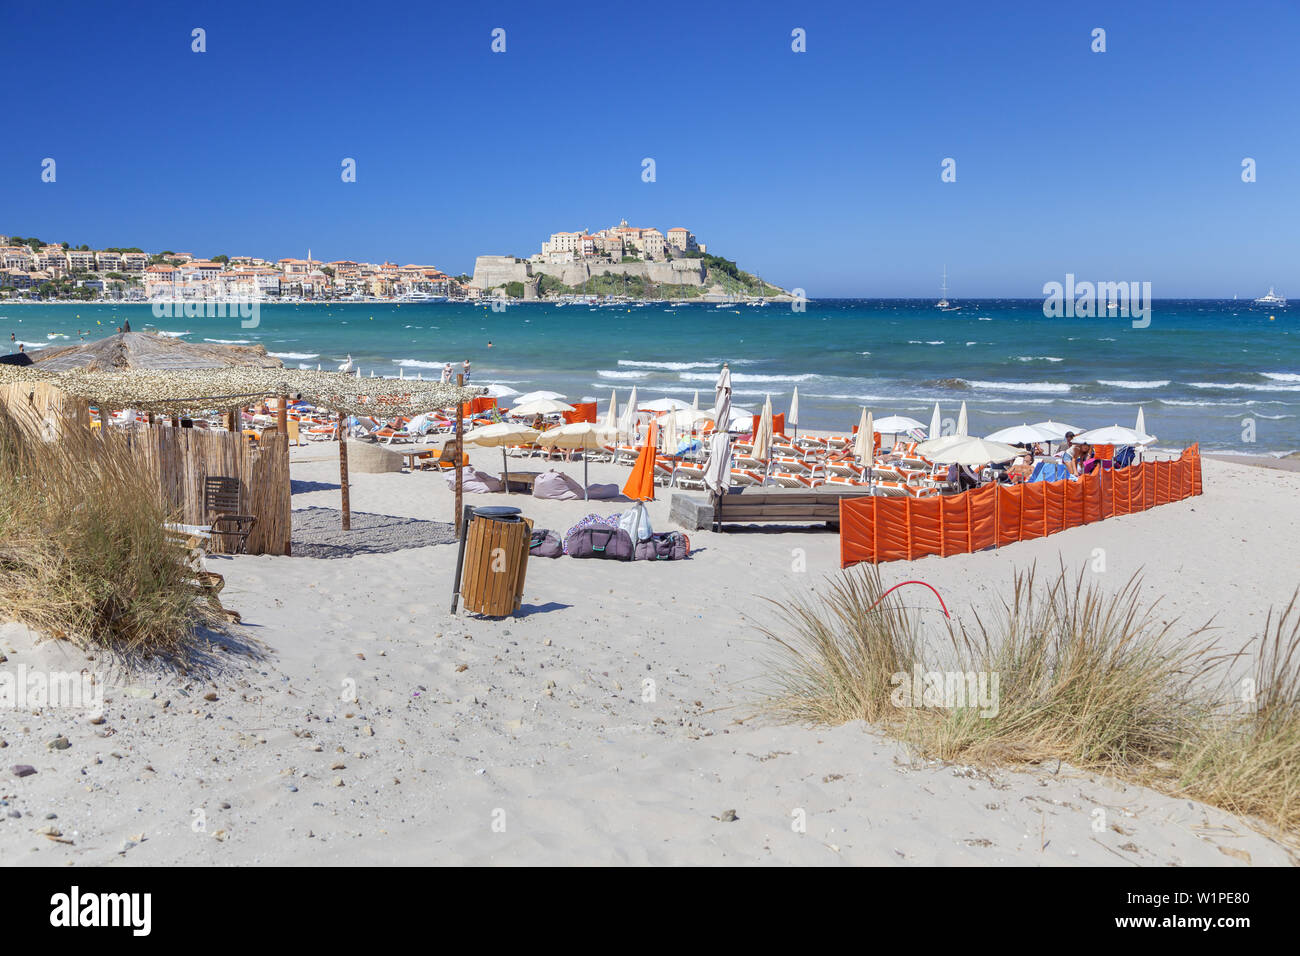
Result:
pixel 622 260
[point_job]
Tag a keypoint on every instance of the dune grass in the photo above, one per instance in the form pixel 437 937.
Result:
pixel 1069 672
pixel 83 551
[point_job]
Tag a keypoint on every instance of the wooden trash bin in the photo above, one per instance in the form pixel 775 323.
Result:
pixel 494 562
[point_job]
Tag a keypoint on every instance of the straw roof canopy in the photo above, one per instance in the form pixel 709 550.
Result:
pixel 175 391
pixel 153 352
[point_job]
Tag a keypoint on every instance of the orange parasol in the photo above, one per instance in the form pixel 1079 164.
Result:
pixel 641 484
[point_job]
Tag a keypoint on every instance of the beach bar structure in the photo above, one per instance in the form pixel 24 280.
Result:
pixel 129 372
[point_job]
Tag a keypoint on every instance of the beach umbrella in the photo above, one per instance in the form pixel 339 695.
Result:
pixel 501 434
pixel 668 429
pixel 929 447
pixel 1141 424
pixel 961 420
pixel 1026 434
pixel 664 405
pixel 627 425
pixel 611 413
pixel 579 435
pixel 973 451
pixel 792 416
pixel 936 423
pixel 722 398
pixel 1113 435
pixel 501 391
pixel 695 401
pixel 763 434
pixel 540 396
pixel 541 406
pixel 1058 429
pixel 717 470
pixel 864 444
pixel 641 483
pixel 685 419
pixel 897 425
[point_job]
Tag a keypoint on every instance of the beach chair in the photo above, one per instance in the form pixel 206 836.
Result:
pixel 627 455
pixel 748 461
pixel 843 468
pixel 785 479
pixel 795 465
pixel 845 480
pixel 889 489
pixel 664 471
pixel 888 473
pixel 446 461
pixel 839 442
pixel 221 511
pixel 690 474
pixel 744 477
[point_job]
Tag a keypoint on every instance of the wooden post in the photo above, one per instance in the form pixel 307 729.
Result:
pixel 343 472
pixel 460 457
pixel 282 420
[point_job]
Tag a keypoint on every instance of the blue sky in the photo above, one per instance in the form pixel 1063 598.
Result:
pixel 819 170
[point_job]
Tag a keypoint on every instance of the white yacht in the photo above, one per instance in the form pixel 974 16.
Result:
pixel 1272 299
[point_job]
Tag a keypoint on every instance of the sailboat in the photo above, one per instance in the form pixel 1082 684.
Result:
pixel 943 305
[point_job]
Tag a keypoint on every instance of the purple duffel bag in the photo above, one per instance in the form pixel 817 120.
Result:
pixel 612 544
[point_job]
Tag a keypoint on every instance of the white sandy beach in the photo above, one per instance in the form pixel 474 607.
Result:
pixel 536 724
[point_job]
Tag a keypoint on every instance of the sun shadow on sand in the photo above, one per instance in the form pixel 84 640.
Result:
pixel 297 487
pixel 208 654
pixel 317 534
pixel 527 610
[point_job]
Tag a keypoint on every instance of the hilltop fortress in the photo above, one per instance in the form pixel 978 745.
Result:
pixel 641 256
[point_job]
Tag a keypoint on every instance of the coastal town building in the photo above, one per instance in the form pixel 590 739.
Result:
pixel 171 275
pixel 617 242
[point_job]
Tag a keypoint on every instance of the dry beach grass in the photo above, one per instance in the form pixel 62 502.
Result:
pixel 1083 676
pixel 84 555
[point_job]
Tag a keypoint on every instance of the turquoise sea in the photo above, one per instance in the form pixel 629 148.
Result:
pixel 1219 372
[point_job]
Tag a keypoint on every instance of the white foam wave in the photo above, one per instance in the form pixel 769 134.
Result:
pixel 606 373
pixel 1023 386
pixel 294 355
pixel 1246 386
pixel 1121 383
pixel 1038 358
pixel 1282 376
pixel 670 366
pixel 745 377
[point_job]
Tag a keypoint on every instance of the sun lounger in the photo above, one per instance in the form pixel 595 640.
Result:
pixel 689 474
pixel 787 479
pixel 745 477
pixel 843 468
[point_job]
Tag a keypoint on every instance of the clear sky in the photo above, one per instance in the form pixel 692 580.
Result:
pixel 819 170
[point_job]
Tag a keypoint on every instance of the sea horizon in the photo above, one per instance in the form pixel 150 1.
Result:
pixel 1215 371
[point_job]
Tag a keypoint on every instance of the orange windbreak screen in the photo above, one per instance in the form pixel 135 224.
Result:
pixel 890 529
pixel 582 412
